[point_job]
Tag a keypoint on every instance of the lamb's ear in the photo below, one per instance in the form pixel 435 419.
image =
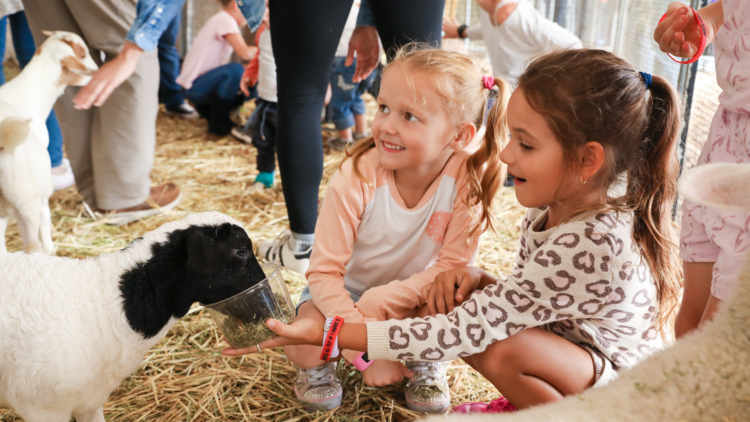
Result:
pixel 48 33
pixel 718 185
pixel 203 257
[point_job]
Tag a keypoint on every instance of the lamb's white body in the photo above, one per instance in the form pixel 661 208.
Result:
pixel 704 376
pixel 66 342
pixel 25 178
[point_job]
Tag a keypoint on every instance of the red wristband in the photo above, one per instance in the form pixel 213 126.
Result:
pixel 330 340
pixel 703 42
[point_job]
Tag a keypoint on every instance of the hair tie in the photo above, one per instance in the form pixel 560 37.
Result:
pixel 646 77
pixel 488 81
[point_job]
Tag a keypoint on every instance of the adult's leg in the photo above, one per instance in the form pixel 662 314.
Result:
pixel 54 15
pixel 305 37
pixel 170 93
pixel 123 131
pixel 400 22
pixel 535 367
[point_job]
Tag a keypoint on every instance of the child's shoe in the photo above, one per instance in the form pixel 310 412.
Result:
pixel 263 181
pixel 338 143
pixel 357 136
pixel 293 255
pixel 242 134
pixel 66 179
pixel 427 391
pixel 319 388
pixel 501 405
pixel 184 111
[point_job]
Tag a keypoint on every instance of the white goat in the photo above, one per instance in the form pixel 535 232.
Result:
pixel 25 103
pixel 72 330
pixel 702 377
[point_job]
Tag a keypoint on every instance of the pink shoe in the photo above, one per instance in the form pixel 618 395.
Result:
pixel 501 405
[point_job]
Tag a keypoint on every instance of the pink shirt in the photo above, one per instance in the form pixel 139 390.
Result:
pixel 209 48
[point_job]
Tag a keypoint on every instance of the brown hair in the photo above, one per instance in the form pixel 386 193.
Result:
pixel 594 96
pixel 459 82
pixel 225 3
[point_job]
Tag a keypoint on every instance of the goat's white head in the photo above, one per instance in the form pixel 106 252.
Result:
pixel 718 185
pixel 71 52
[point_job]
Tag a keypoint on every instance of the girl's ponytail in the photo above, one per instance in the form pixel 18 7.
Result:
pixel 651 190
pixel 486 171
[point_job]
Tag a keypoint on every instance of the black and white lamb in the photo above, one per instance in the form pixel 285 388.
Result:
pixel 72 330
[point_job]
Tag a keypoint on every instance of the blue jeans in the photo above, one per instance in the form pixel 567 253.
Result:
pixel 25 49
pixel 346 96
pixel 215 93
pixel 170 92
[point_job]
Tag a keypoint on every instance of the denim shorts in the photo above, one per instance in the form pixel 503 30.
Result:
pixel 346 101
pixel 305 296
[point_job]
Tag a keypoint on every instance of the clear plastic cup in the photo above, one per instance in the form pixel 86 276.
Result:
pixel 242 318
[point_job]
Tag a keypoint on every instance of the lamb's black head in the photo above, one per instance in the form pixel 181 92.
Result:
pixel 220 262
pixel 206 264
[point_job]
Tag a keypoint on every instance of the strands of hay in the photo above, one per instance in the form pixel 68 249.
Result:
pixel 185 377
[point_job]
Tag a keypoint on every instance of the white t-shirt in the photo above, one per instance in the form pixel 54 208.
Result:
pixel 266 68
pixel 524 35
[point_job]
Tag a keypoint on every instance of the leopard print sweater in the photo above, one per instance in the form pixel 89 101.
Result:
pixel 583 280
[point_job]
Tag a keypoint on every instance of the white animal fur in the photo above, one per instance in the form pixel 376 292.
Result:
pixel 25 103
pixel 702 377
pixel 66 342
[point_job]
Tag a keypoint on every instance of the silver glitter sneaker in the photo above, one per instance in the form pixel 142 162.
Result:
pixel 427 391
pixel 319 388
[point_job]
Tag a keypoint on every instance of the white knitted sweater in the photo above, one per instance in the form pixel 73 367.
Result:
pixel 583 280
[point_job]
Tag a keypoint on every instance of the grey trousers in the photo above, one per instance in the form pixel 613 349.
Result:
pixel 111 148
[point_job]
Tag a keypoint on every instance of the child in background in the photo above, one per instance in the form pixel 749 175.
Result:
pixel 514 33
pixel 713 242
pixel 596 276
pixel 260 129
pixel 214 87
pixel 399 211
pixel 348 108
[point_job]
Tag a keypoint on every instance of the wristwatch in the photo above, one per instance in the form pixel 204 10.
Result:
pixel 361 362
pixel 461 30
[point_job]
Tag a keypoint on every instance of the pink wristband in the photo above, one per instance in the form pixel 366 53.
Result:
pixel 361 362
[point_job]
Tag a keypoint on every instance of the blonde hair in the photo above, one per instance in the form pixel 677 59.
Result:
pixel 458 81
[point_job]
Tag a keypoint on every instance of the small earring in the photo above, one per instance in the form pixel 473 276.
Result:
pixel 583 180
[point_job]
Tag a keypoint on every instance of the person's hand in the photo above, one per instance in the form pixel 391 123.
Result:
pixel 108 77
pixel 301 331
pixel 679 34
pixel 384 372
pixel 450 288
pixel 244 84
pixel 450 27
pixel 364 41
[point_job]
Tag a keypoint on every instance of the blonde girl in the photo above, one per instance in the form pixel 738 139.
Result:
pixel 596 277
pixel 406 204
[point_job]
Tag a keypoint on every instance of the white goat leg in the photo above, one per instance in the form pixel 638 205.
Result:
pixel 45 228
pixel 93 416
pixel 3 227
pixel 28 217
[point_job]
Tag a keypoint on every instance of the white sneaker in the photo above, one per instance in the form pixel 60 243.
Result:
pixel 65 180
pixel 427 391
pixel 285 250
pixel 319 388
